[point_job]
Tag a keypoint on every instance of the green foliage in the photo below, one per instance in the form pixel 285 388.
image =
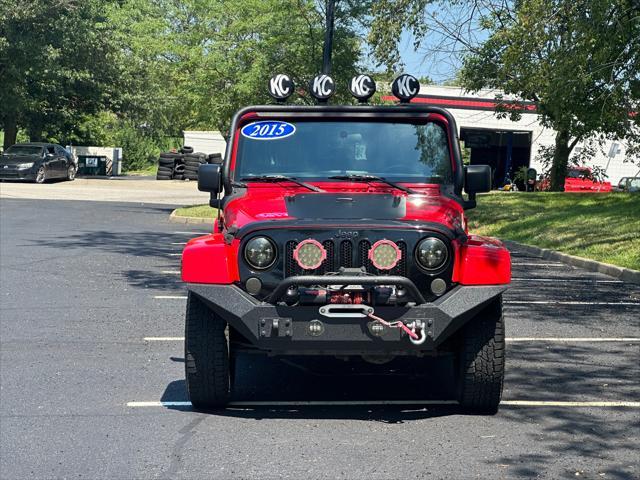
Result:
pixel 49 51
pixel 136 73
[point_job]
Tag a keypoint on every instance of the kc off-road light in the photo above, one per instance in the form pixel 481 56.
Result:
pixel 384 254
pixel 309 254
pixel 281 87
pixel 260 253
pixel 431 253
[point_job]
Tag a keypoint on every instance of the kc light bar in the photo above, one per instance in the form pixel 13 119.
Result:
pixel 322 87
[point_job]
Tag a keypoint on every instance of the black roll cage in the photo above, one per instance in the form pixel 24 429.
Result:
pixel 349 111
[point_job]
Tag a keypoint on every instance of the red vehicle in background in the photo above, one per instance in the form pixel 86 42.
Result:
pixel 342 232
pixel 579 179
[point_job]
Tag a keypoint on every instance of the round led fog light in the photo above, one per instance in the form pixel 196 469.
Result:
pixel 385 255
pixel 309 254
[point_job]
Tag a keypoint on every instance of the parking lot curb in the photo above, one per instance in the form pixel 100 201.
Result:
pixel 180 219
pixel 621 273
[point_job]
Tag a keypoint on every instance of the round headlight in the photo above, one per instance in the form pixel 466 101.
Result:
pixel 432 253
pixel 260 252
pixel 385 254
pixel 310 254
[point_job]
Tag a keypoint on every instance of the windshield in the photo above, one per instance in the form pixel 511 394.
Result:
pixel 320 149
pixel 24 150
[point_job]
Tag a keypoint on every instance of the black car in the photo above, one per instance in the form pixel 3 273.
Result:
pixel 36 161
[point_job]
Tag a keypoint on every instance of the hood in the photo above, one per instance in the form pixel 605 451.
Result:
pixel 259 204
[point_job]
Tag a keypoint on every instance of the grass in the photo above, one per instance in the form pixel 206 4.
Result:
pixel 602 227
pixel 199 211
pixel 149 170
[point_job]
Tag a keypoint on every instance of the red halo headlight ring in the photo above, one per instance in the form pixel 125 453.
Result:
pixel 309 254
pixel 385 254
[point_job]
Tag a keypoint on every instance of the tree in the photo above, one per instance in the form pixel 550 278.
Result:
pixel 55 61
pixel 578 60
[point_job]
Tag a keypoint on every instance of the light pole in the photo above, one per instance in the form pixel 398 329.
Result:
pixel 328 36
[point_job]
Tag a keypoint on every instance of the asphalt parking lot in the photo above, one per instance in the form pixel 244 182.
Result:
pixel 92 384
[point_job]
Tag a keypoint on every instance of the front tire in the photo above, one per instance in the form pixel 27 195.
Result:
pixel 481 361
pixel 41 175
pixel 206 356
pixel 71 173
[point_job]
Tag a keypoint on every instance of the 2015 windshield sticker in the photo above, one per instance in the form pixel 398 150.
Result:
pixel 268 130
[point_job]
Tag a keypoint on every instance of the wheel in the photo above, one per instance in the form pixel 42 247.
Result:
pixel 166 162
pixel 481 361
pixel 164 171
pixel 179 168
pixel 71 172
pixel 207 359
pixel 41 175
pixel 186 149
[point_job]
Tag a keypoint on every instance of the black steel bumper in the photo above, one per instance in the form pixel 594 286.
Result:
pixel 282 329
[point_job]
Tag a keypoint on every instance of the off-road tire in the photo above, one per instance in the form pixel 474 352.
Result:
pixel 206 354
pixel 186 149
pixel 481 361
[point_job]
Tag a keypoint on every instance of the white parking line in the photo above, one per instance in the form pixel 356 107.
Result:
pixel 178 243
pixel 175 254
pixel 163 339
pixel 170 297
pixel 553 302
pixel 170 272
pixel 190 233
pixel 508 339
pixel 557 280
pixel 574 340
pixel 328 403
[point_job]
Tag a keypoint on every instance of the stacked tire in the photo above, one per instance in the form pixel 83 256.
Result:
pixel 166 165
pixel 192 162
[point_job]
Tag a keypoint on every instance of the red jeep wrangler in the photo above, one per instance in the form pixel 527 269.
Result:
pixel 342 232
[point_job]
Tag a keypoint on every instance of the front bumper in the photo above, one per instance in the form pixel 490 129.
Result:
pixel 17 174
pixel 281 329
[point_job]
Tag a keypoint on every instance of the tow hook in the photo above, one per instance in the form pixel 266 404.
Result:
pixel 420 338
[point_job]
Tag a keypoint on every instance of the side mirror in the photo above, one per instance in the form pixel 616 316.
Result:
pixel 209 178
pixel 477 179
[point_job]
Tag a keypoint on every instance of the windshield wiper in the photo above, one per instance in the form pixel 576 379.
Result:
pixel 281 178
pixel 372 178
